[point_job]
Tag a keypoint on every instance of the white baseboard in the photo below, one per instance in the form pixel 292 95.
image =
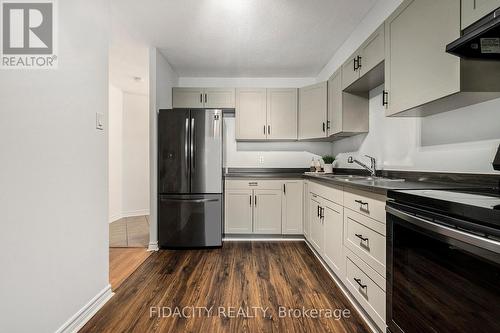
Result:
pixel 78 320
pixel 346 292
pixel 264 239
pixel 153 246
pixel 132 213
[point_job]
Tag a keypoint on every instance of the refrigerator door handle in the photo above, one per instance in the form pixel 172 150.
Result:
pixel 186 145
pixel 193 165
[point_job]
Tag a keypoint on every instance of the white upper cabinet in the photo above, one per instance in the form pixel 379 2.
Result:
pixel 187 97
pixel 313 111
pixel 372 52
pixel 417 68
pixel 282 114
pixel 203 97
pixel 266 114
pixel 350 70
pixel 251 114
pixel 223 98
pixel 347 113
pixel 473 10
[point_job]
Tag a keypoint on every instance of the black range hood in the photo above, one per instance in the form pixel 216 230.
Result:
pixel 481 40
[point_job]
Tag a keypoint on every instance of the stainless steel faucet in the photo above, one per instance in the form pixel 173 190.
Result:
pixel 372 168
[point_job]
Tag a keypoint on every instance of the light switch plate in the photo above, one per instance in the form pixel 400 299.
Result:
pixel 99 121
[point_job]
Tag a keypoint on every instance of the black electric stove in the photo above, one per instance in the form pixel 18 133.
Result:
pixel 443 261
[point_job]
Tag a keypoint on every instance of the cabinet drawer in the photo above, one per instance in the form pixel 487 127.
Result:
pixel 243 184
pixel 331 193
pixel 367 291
pixel 366 203
pixel 366 238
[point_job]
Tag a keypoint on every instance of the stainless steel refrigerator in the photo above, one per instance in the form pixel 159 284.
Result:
pixel 190 178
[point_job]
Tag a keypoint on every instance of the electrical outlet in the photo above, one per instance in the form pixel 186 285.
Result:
pixel 261 159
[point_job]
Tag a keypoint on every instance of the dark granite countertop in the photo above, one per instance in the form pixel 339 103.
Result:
pixel 377 185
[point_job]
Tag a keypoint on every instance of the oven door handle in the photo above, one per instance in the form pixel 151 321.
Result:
pixel 480 242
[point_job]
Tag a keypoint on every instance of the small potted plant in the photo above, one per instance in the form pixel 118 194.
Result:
pixel 328 163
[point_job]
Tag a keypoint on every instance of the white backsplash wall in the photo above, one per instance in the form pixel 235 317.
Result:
pixel 463 140
pixel 269 154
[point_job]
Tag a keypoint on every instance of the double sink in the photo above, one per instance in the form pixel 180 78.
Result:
pixel 363 180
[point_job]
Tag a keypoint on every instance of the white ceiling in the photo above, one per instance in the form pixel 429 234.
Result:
pixel 242 38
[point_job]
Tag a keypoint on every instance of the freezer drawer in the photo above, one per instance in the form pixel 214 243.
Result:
pixel 189 221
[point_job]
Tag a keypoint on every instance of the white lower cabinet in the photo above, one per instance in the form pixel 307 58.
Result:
pixel 239 211
pixel 267 212
pixel 351 241
pixel 292 207
pixel 316 223
pixel 333 249
pixel 268 207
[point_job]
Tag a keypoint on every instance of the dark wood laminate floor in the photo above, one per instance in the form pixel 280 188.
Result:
pixel 241 274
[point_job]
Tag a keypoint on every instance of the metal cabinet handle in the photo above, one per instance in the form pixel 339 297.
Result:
pixel 253 184
pixel 328 124
pixel 201 98
pixel 362 203
pixel 268 129
pixel 255 201
pixel 354 62
pixel 317 211
pixel 358 281
pixel 264 129
pixel 322 212
pixel 385 98
pixel 361 237
pixel 359 62
pixel 206 98
pixel 284 188
pixel 250 200
pixel 324 126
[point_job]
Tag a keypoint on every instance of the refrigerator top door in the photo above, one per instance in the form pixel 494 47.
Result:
pixel 206 151
pixel 173 151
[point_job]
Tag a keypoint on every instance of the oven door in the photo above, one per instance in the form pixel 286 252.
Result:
pixel 439 278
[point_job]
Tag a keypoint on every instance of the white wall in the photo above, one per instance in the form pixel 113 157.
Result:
pixel 463 140
pixel 115 132
pixel 269 154
pixel 53 176
pixel 161 80
pixel 242 82
pixel 135 163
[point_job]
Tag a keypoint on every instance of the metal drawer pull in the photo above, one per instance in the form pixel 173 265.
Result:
pixel 361 237
pixel 358 281
pixel 362 203
pixel 253 184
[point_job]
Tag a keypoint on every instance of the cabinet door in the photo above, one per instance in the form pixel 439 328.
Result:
pixel 349 73
pixel 282 114
pixel 251 122
pixel 292 207
pixel 372 51
pixel 187 97
pixel 473 10
pixel 267 212
pixel 238 211
pixel 219 98
pixel 306 205
pixel 417 70
pixel 333 250
pixel 313 111
pixel 316 224
pixel 335 104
